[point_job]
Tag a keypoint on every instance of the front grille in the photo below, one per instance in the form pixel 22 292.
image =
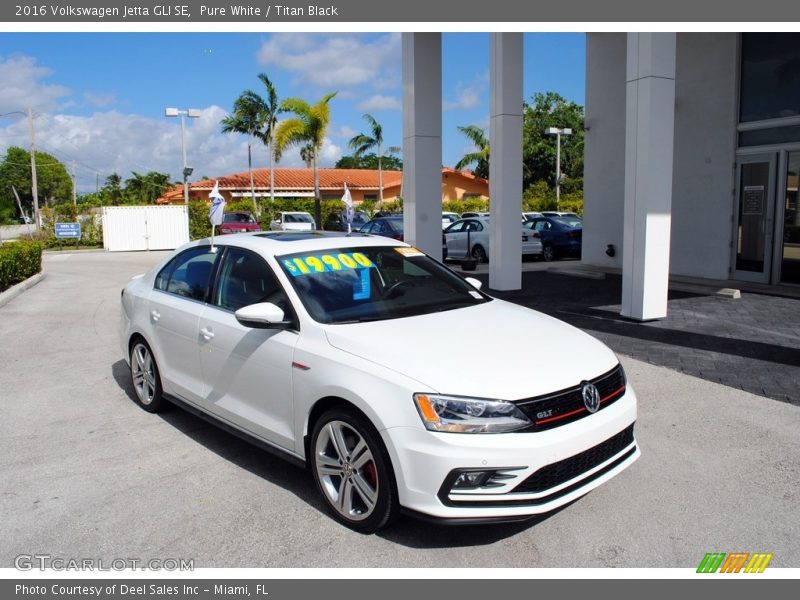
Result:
pixel 565 406
pixel 557 473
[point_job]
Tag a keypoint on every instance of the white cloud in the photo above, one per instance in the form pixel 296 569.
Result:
pixel 110 141
pixel 342 132
pixel 22 85
pixel 381 102
pixel 334 61
pixel 466 98
pixel 99 100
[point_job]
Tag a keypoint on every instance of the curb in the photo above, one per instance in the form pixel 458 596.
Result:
pixel 16 290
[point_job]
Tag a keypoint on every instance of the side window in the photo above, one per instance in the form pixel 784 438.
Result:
pixel 246 279
pixel 456 227
pixel 191 273
pixel 162 279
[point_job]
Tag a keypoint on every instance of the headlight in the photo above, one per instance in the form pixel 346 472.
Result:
pixel 455 414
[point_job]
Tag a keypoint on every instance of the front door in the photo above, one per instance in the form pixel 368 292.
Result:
pixel 754 222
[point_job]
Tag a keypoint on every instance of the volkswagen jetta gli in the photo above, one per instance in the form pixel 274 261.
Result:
pixel 356 356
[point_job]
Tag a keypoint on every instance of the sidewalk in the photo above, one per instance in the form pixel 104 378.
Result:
pixel 751 343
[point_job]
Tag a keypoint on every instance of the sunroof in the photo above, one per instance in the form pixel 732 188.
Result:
pixel 296 236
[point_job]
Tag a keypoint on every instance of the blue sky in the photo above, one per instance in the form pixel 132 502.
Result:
pixel 99 98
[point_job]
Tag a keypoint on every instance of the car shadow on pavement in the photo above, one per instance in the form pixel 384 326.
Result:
pixel 230 447
pixel 407 531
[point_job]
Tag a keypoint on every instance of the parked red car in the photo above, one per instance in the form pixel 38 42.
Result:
pixel 239 222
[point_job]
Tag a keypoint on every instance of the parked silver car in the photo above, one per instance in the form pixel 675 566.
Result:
pixel 475 233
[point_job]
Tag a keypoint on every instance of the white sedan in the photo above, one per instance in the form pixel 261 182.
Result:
pixel 474 232
pixel 354 355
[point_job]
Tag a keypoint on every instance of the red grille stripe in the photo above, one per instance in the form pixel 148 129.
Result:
pixel 579 410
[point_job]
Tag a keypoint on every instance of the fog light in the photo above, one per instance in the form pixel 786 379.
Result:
pixel 471 479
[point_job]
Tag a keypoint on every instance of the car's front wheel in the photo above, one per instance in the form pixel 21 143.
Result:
pixel 353 471
pixel 146 379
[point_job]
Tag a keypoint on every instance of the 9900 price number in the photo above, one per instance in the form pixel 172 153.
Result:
pixel 322 263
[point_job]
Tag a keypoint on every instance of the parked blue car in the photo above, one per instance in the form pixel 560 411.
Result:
pixel 561 236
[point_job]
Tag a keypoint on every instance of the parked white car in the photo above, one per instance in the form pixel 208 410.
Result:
pixel 293 221
pixel 448 218
pixel 476 231
pixel 356 354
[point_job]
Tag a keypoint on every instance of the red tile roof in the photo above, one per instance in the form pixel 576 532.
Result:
pixel 300 180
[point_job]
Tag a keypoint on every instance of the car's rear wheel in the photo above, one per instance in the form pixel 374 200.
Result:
pixel 146 379
pixel 353 471
pixel 479 254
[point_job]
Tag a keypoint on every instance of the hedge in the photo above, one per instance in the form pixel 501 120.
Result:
pixel 18 261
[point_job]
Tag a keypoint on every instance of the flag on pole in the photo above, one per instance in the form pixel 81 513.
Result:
pixel 348 202
pixel 217 205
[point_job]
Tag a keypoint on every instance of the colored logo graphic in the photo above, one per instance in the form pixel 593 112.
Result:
pixel 736 562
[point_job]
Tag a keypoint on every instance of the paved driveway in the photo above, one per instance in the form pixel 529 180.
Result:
pixel 85 473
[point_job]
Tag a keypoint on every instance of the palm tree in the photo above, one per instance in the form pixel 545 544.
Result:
pixel 269 121
pixel 364 142
pixel 307 154
pixel 481 156
pixel 308 126
pixel 246 119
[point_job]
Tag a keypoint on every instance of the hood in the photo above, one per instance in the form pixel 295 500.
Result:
pixel 492 350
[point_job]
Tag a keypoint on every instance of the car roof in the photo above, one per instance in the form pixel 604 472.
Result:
pixel 289 242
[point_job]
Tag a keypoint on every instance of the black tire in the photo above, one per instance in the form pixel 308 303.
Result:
pixel 358 488
pixel 145 377
pixel 479 254
pixel 548 253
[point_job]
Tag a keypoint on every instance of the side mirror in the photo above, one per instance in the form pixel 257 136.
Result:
pixel 476 283
pixel 264 315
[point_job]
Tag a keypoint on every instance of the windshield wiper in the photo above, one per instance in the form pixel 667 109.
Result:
pixel 359 320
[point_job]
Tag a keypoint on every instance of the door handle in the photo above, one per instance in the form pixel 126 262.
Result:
pixel 155 315
pixel 206 333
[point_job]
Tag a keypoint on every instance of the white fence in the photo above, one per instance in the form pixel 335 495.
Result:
pixel 128 228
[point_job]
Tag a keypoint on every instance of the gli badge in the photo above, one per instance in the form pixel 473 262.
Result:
pixel 591 397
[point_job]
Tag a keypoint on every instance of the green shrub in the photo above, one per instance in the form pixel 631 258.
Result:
pixel 18 261
pixel 91 227
pixel 199 225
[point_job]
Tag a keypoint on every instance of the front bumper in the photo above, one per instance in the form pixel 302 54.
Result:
pixel 537 471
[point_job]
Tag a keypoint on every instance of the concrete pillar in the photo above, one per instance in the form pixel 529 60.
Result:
pixel 505 162
pixel 422 141
pixel 649 141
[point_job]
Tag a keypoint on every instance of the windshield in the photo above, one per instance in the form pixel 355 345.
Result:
pixel 375 283
pixel 238 218
pixel 569 222
pixel 297 218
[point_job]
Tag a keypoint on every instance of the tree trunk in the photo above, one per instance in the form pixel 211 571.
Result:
pixel 380 179
pixel 271 175
pixel 317 199
pixel 252 185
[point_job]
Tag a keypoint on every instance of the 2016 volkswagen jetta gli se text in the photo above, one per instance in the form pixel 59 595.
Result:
pixel 400 384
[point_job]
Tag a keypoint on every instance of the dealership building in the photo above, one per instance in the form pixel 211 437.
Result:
pixel 692 155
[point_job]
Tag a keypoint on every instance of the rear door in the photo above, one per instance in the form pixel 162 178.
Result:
pixel 178 300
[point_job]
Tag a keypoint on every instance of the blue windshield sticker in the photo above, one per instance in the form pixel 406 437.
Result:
pixel 361 289
pixel 325 263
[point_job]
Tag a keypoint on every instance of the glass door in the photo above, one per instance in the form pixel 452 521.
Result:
pixel 754 222
pixel 790 246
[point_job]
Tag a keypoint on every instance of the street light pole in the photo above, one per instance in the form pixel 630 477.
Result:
pixel 187 170
pixel 558 132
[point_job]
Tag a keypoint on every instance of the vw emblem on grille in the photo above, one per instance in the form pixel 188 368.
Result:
pixel 591 397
